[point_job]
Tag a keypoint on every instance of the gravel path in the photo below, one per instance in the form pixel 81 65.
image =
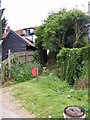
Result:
pixel 11 107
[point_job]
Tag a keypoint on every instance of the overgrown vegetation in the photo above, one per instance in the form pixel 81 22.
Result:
pixel 49 96
pixel 65 31
pixel 73 63
pixel 20 71
pixel 62 29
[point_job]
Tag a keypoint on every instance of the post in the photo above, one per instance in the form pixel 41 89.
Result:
pixel 0 24
pixel 0 44
pixel 26 60
pixel 9 61
pixel 2 73
pixel 37 74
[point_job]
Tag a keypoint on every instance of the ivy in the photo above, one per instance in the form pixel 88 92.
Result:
pixel 71 62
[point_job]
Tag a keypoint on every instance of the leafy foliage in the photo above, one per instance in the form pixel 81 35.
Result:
pixel 3 20
pixel 71 62
pixel 20 71
pixel 63 29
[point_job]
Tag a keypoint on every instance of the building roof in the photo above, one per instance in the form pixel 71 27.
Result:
pixel 4 35
pixel 20 32
pixel 27 41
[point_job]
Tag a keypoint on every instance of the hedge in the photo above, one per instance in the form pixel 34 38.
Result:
pixel 71 62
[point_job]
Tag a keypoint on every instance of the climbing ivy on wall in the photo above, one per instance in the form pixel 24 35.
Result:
pixel 71 62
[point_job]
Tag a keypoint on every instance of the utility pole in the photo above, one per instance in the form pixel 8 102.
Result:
pixel 89 61
pixel 0 39
pixel 0 3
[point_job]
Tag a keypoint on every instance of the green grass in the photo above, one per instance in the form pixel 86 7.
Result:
pixel 49 96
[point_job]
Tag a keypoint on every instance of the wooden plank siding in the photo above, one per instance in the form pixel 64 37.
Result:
pixel 14 43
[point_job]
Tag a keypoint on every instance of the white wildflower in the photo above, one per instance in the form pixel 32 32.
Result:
pixel 49 116
pixel 68 96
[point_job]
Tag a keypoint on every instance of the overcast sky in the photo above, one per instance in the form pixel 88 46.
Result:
pixel 27 13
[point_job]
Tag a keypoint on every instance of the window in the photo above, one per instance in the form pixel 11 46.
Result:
pixel 26 32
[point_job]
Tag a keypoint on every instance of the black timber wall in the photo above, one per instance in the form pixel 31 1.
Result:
pixel 13 42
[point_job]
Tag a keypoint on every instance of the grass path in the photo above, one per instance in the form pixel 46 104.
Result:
pixel 49 96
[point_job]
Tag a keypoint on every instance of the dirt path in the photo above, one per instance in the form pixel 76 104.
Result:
pixel 9 102
pixel 6 113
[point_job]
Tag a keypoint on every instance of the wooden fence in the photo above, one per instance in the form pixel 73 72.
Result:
pixel 25 57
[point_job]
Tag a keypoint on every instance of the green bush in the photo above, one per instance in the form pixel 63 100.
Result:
pixel 71 62
pixel 36 56
pixel 22 72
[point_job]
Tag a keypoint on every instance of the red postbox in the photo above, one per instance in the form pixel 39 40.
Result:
pixel 34 71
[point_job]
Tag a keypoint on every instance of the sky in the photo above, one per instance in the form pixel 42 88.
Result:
pixel 29 13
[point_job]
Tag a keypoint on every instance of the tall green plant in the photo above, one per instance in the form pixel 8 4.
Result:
pixel 71 62
pixel 20 71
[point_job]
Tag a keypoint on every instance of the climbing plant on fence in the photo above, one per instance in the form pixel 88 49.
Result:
pixel 71 62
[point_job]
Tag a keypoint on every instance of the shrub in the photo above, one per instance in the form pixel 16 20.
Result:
pixel 71 62
pixel 36 56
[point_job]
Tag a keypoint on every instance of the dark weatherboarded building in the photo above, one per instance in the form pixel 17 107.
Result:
pixel 15 43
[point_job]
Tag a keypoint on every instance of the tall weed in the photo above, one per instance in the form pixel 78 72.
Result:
pixel 21 72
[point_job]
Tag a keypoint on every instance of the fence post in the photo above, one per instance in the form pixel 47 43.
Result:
pixel 2 73
pixel 9 62
pixel 26 60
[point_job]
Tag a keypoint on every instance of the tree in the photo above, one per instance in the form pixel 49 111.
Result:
pixel 54 31
pixel 42 58
pixel 76 21
pixel 3 20
pixel 63 29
